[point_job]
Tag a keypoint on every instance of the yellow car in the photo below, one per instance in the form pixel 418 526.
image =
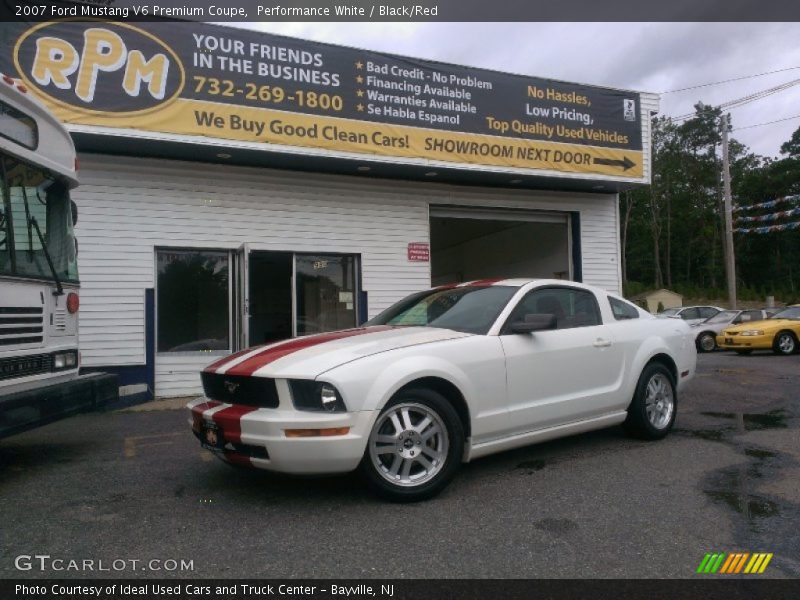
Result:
pixel 780 333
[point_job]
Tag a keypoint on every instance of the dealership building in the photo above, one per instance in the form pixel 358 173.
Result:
pixel 238 188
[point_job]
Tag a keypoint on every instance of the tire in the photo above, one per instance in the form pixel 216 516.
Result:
pixel 405 463
pixel 743 352
pixel 652 411
pixel 785 343
pixel 706 342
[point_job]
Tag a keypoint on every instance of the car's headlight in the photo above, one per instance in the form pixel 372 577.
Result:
pixel 753 332
pixel 315 396
pixel 65 360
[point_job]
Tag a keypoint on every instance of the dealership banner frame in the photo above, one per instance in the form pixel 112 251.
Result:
pixel 273 92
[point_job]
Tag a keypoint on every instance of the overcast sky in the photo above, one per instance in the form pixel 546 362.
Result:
pixel 652 57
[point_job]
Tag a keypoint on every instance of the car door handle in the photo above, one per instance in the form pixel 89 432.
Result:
pixel 601 343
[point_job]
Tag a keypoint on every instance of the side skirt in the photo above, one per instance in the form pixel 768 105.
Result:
pixel 542 435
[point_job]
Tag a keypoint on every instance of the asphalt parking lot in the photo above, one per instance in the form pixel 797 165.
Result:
pixel 136 486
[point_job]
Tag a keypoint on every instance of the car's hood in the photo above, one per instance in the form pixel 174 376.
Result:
pixel 764 324
pixel 307 357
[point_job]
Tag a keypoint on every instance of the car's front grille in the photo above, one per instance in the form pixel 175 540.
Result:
pixel 21 325
pixel 23 366
pixel 238 389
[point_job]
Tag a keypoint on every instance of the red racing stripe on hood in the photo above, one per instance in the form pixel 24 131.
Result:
pixel 229 420
pixel 252 364
pixel 226 359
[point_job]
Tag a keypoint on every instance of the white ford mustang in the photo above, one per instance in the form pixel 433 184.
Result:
pixel 445 376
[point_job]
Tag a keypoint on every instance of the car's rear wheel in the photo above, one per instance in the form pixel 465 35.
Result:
pixel 785 343
pixel 414 447
pixel 652 411
pixel 706 342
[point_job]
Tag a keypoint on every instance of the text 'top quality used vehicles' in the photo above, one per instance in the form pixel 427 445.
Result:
pixel 445 376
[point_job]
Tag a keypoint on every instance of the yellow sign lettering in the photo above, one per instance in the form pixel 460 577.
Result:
pixel 103 50
pixel 153 72
pixel 54 62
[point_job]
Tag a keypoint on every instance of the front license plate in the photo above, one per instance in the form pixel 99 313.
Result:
pixel 728 340
pixel 212 437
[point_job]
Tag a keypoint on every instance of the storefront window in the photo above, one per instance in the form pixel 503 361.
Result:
pixel 326 293
pixel 193 300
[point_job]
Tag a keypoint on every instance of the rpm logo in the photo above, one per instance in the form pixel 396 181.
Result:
pixel 99 66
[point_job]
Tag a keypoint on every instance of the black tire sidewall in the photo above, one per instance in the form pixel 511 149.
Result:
pixel 637 423
pixel 700 342
pixel 455 432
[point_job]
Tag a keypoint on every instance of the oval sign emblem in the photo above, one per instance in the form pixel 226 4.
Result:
pixel 99 67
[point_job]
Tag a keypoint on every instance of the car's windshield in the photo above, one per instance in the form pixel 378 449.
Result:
pixel 30 198
pixel 669 312
pixel 726 316
pixel 471 309
pixel 791 312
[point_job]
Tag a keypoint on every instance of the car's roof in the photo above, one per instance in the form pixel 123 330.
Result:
pixel 514 282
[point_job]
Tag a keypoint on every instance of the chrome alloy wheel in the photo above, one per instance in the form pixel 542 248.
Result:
pixel 408 444
pixel 659 401
pixel 786 343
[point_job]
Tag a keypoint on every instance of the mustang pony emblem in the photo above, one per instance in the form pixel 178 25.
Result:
pixel 231 386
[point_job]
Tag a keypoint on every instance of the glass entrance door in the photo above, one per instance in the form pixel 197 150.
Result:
pixel 325 292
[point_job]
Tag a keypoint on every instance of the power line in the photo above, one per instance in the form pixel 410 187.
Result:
pixel 730 104
pixel 767 123
pixel 702 85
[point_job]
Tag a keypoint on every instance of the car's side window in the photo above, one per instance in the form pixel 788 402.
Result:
pixel 622 310
pixel 708 312
pixel 572 307
pixel 751 315
pixel 690 313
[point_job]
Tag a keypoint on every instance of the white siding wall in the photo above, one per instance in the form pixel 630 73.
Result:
pixel 128 206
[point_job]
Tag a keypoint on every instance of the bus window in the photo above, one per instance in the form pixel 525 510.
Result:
pixel 32 196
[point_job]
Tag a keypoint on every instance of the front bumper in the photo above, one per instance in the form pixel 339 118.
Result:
pixel 257 437
pixel 745 342
pixel 24 410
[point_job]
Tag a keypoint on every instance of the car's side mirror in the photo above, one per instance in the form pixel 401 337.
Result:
pixel 534 322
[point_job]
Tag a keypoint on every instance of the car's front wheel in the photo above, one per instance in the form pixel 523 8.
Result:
pixel 785 343
pixel 706 342
pixel 415 446
pixel 652 411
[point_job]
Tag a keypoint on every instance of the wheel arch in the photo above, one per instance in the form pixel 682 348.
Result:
pixel 666 360
pixel 449 391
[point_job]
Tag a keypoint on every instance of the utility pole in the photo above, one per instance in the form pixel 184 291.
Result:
pixel 730 259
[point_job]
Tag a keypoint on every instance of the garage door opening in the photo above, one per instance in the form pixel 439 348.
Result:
pixel 468 244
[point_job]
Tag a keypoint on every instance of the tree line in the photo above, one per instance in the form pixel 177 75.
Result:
pixel 672 232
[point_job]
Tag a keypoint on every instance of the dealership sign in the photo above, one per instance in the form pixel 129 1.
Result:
pixel 198 79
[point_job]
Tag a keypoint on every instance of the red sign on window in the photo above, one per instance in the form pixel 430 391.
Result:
pixel 419 251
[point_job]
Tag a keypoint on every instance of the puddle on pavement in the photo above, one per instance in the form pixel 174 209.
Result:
pixel 775 419
pixel 734 487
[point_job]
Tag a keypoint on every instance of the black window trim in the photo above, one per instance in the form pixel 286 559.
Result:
pixel 506 328
pixel 612 299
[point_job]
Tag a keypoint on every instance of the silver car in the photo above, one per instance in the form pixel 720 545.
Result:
pixel 691 314
pixel 708 330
